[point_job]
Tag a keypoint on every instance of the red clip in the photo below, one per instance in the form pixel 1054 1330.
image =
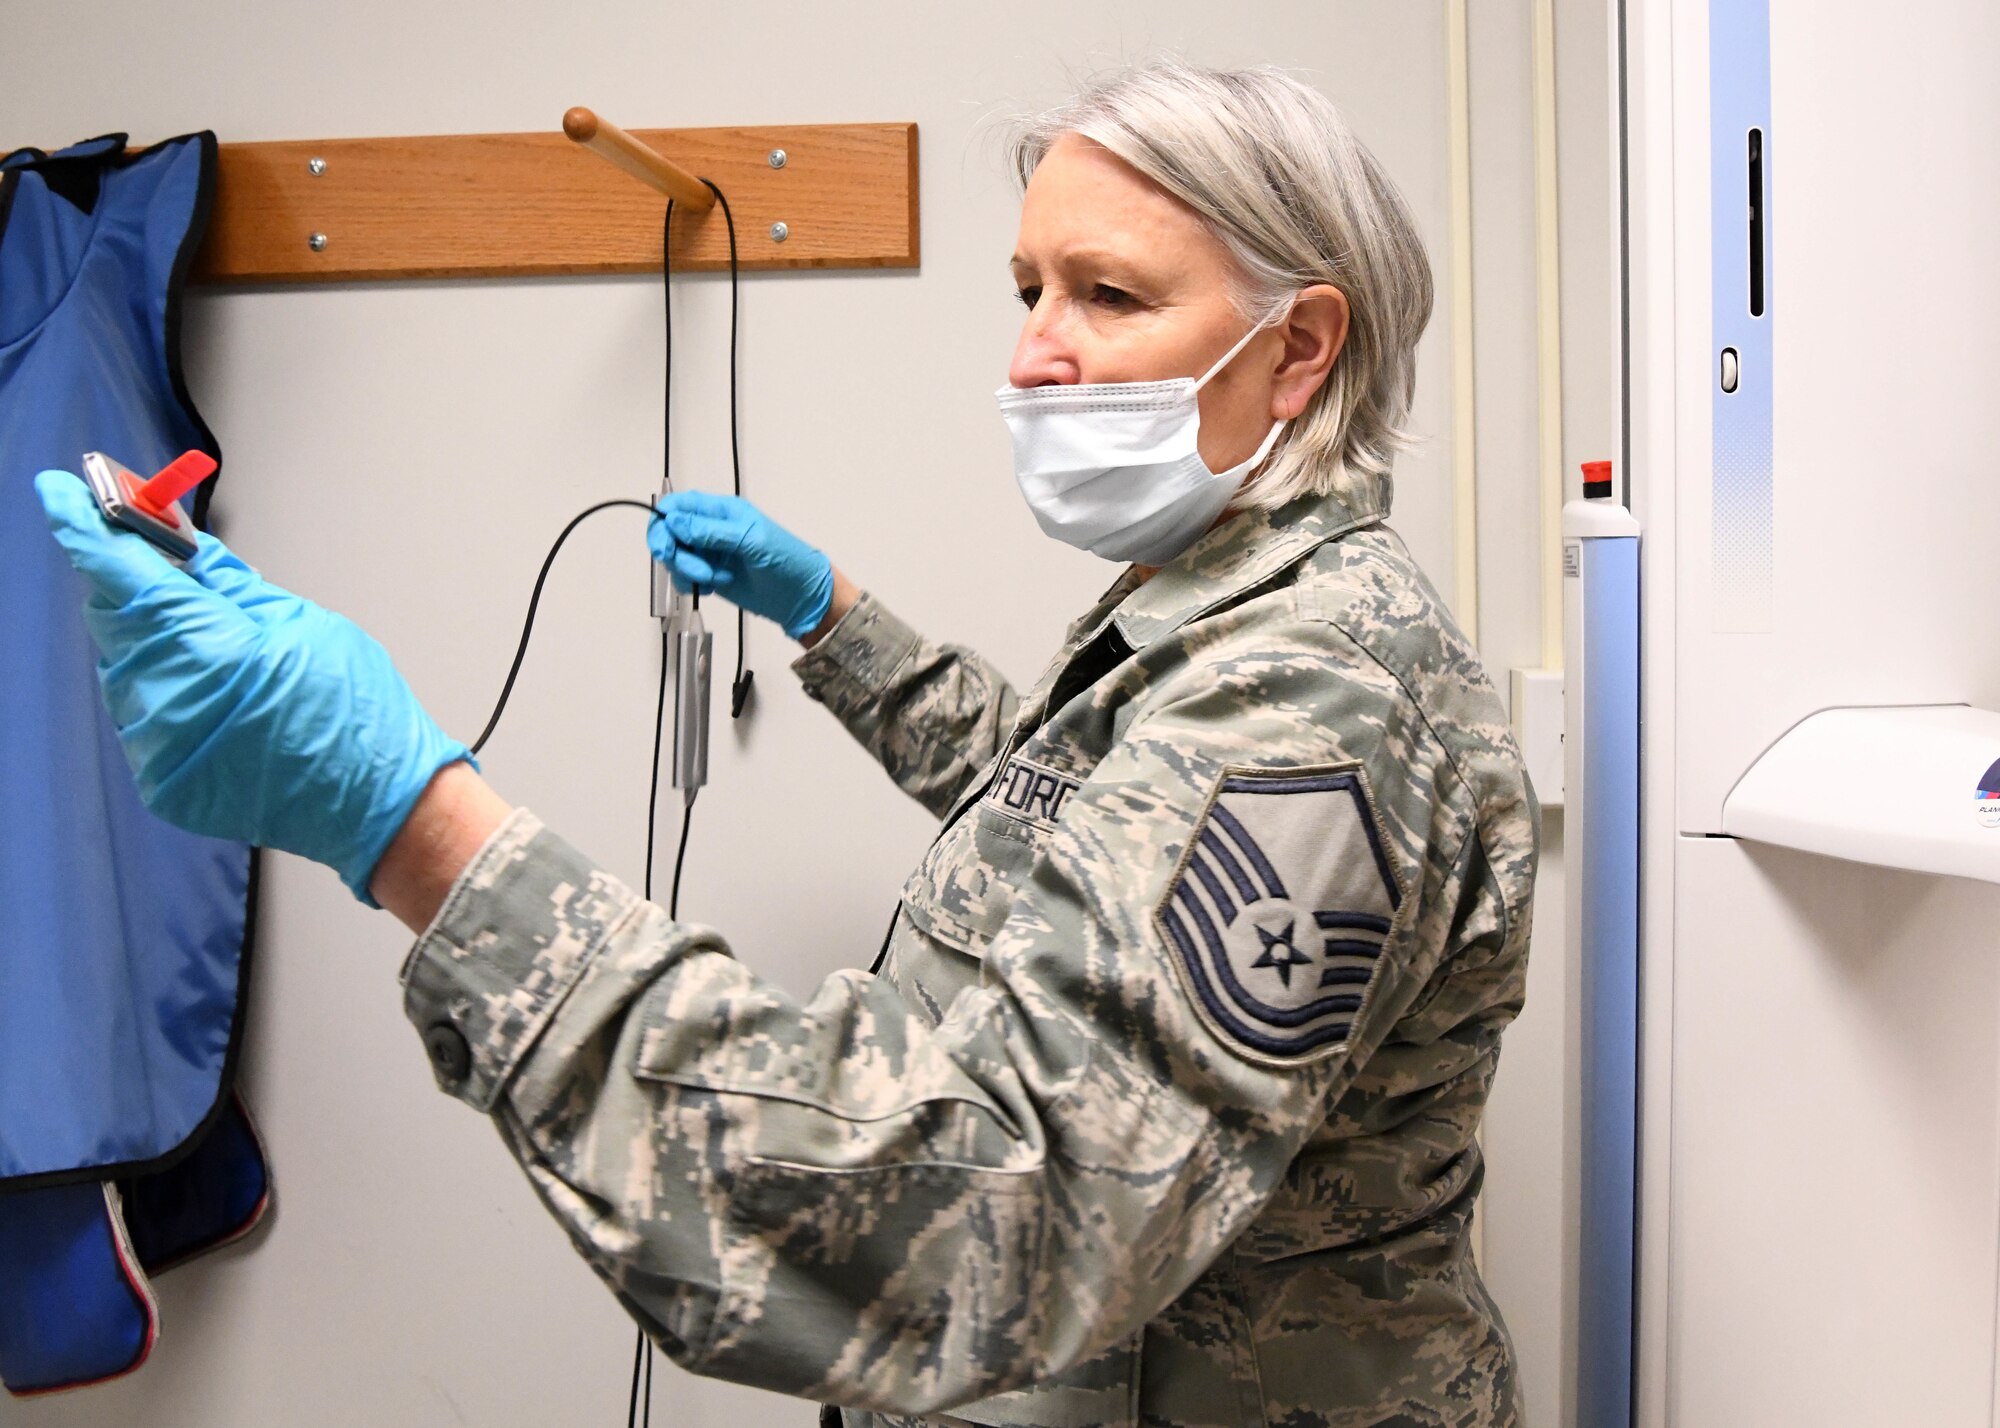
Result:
pixel 173 481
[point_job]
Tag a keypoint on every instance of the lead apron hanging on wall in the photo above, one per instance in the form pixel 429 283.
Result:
pixel 123 941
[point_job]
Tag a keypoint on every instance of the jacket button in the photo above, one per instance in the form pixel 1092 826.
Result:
pixel 448 1052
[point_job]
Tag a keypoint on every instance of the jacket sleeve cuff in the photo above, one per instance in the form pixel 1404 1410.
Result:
pixel 518 929
pixel 854 663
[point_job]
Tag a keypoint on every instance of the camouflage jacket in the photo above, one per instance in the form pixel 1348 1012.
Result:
pixel 1161 1105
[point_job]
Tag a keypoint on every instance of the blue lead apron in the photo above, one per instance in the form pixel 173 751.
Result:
pixel 123 941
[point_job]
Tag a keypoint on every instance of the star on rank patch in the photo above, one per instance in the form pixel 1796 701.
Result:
pixel 1280 908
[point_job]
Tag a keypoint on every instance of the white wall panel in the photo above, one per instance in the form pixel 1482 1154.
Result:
pixel 1835 1043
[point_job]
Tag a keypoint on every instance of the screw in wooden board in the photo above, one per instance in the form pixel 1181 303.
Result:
pixel 315 166
pixel 776 158
pixel 779 232
pixel 317 242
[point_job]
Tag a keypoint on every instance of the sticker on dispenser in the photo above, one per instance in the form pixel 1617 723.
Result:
pixel 1988 805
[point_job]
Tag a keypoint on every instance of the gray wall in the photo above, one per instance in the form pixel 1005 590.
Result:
pixel 404 453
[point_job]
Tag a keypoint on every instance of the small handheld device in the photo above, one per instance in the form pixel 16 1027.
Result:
pixel 150 506
pixel 694 650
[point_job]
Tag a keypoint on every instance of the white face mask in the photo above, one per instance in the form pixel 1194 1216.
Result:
pixel 1115 468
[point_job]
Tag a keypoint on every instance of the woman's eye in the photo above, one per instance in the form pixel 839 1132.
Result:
pixel 1029 296
pixel 1109 296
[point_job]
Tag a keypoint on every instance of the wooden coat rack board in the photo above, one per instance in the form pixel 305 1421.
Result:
pixel 522 205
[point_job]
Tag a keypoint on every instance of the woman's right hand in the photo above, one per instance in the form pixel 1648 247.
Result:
pixel 727 545
pixel 247 712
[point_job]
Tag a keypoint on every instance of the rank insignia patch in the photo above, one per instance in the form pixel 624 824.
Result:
pixel 1280 908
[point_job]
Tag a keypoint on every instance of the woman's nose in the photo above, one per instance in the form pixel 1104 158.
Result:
pixel 1044 356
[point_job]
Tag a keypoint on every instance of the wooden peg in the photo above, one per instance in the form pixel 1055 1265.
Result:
pixel 647 165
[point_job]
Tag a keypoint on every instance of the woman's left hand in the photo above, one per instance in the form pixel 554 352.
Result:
pixel 245 711
pixel 725 544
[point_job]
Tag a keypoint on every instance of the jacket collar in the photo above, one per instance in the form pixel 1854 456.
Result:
pixel 1244 550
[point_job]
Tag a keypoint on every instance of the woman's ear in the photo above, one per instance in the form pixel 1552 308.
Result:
pixel 1314 333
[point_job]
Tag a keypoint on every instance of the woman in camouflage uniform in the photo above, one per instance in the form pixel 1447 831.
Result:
pixel 1160 1106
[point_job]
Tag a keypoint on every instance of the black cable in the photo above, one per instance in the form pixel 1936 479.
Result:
pixel 667 322
pixel 642 1350
pixel 680 857
pixel 632 1408
pixel 534 602
pixel 735 452
pixel 740 686
pixel 745 679
pixel 642 1358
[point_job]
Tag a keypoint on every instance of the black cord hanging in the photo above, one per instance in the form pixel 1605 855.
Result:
pixel 642 1349
pixel 641 1398
pixel 639 1405
pixel 741 685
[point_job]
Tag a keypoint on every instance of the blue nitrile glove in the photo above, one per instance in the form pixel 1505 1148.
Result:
pixel 725 544
pixel 245 711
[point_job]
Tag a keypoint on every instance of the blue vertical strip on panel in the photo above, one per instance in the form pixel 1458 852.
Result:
pixel 1741 513
pixel 1609 867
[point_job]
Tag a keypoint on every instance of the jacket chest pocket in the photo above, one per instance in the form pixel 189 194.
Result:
pixel 960 892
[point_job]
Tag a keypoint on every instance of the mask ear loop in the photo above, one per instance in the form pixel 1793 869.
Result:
pixel 1270 437
pixel 1270 440
pixel 1242 342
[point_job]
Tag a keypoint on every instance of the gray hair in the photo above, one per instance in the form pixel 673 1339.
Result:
pixel 1270 166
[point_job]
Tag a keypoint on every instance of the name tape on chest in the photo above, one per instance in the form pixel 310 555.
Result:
pixel 1279 911
pixel 1029 792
